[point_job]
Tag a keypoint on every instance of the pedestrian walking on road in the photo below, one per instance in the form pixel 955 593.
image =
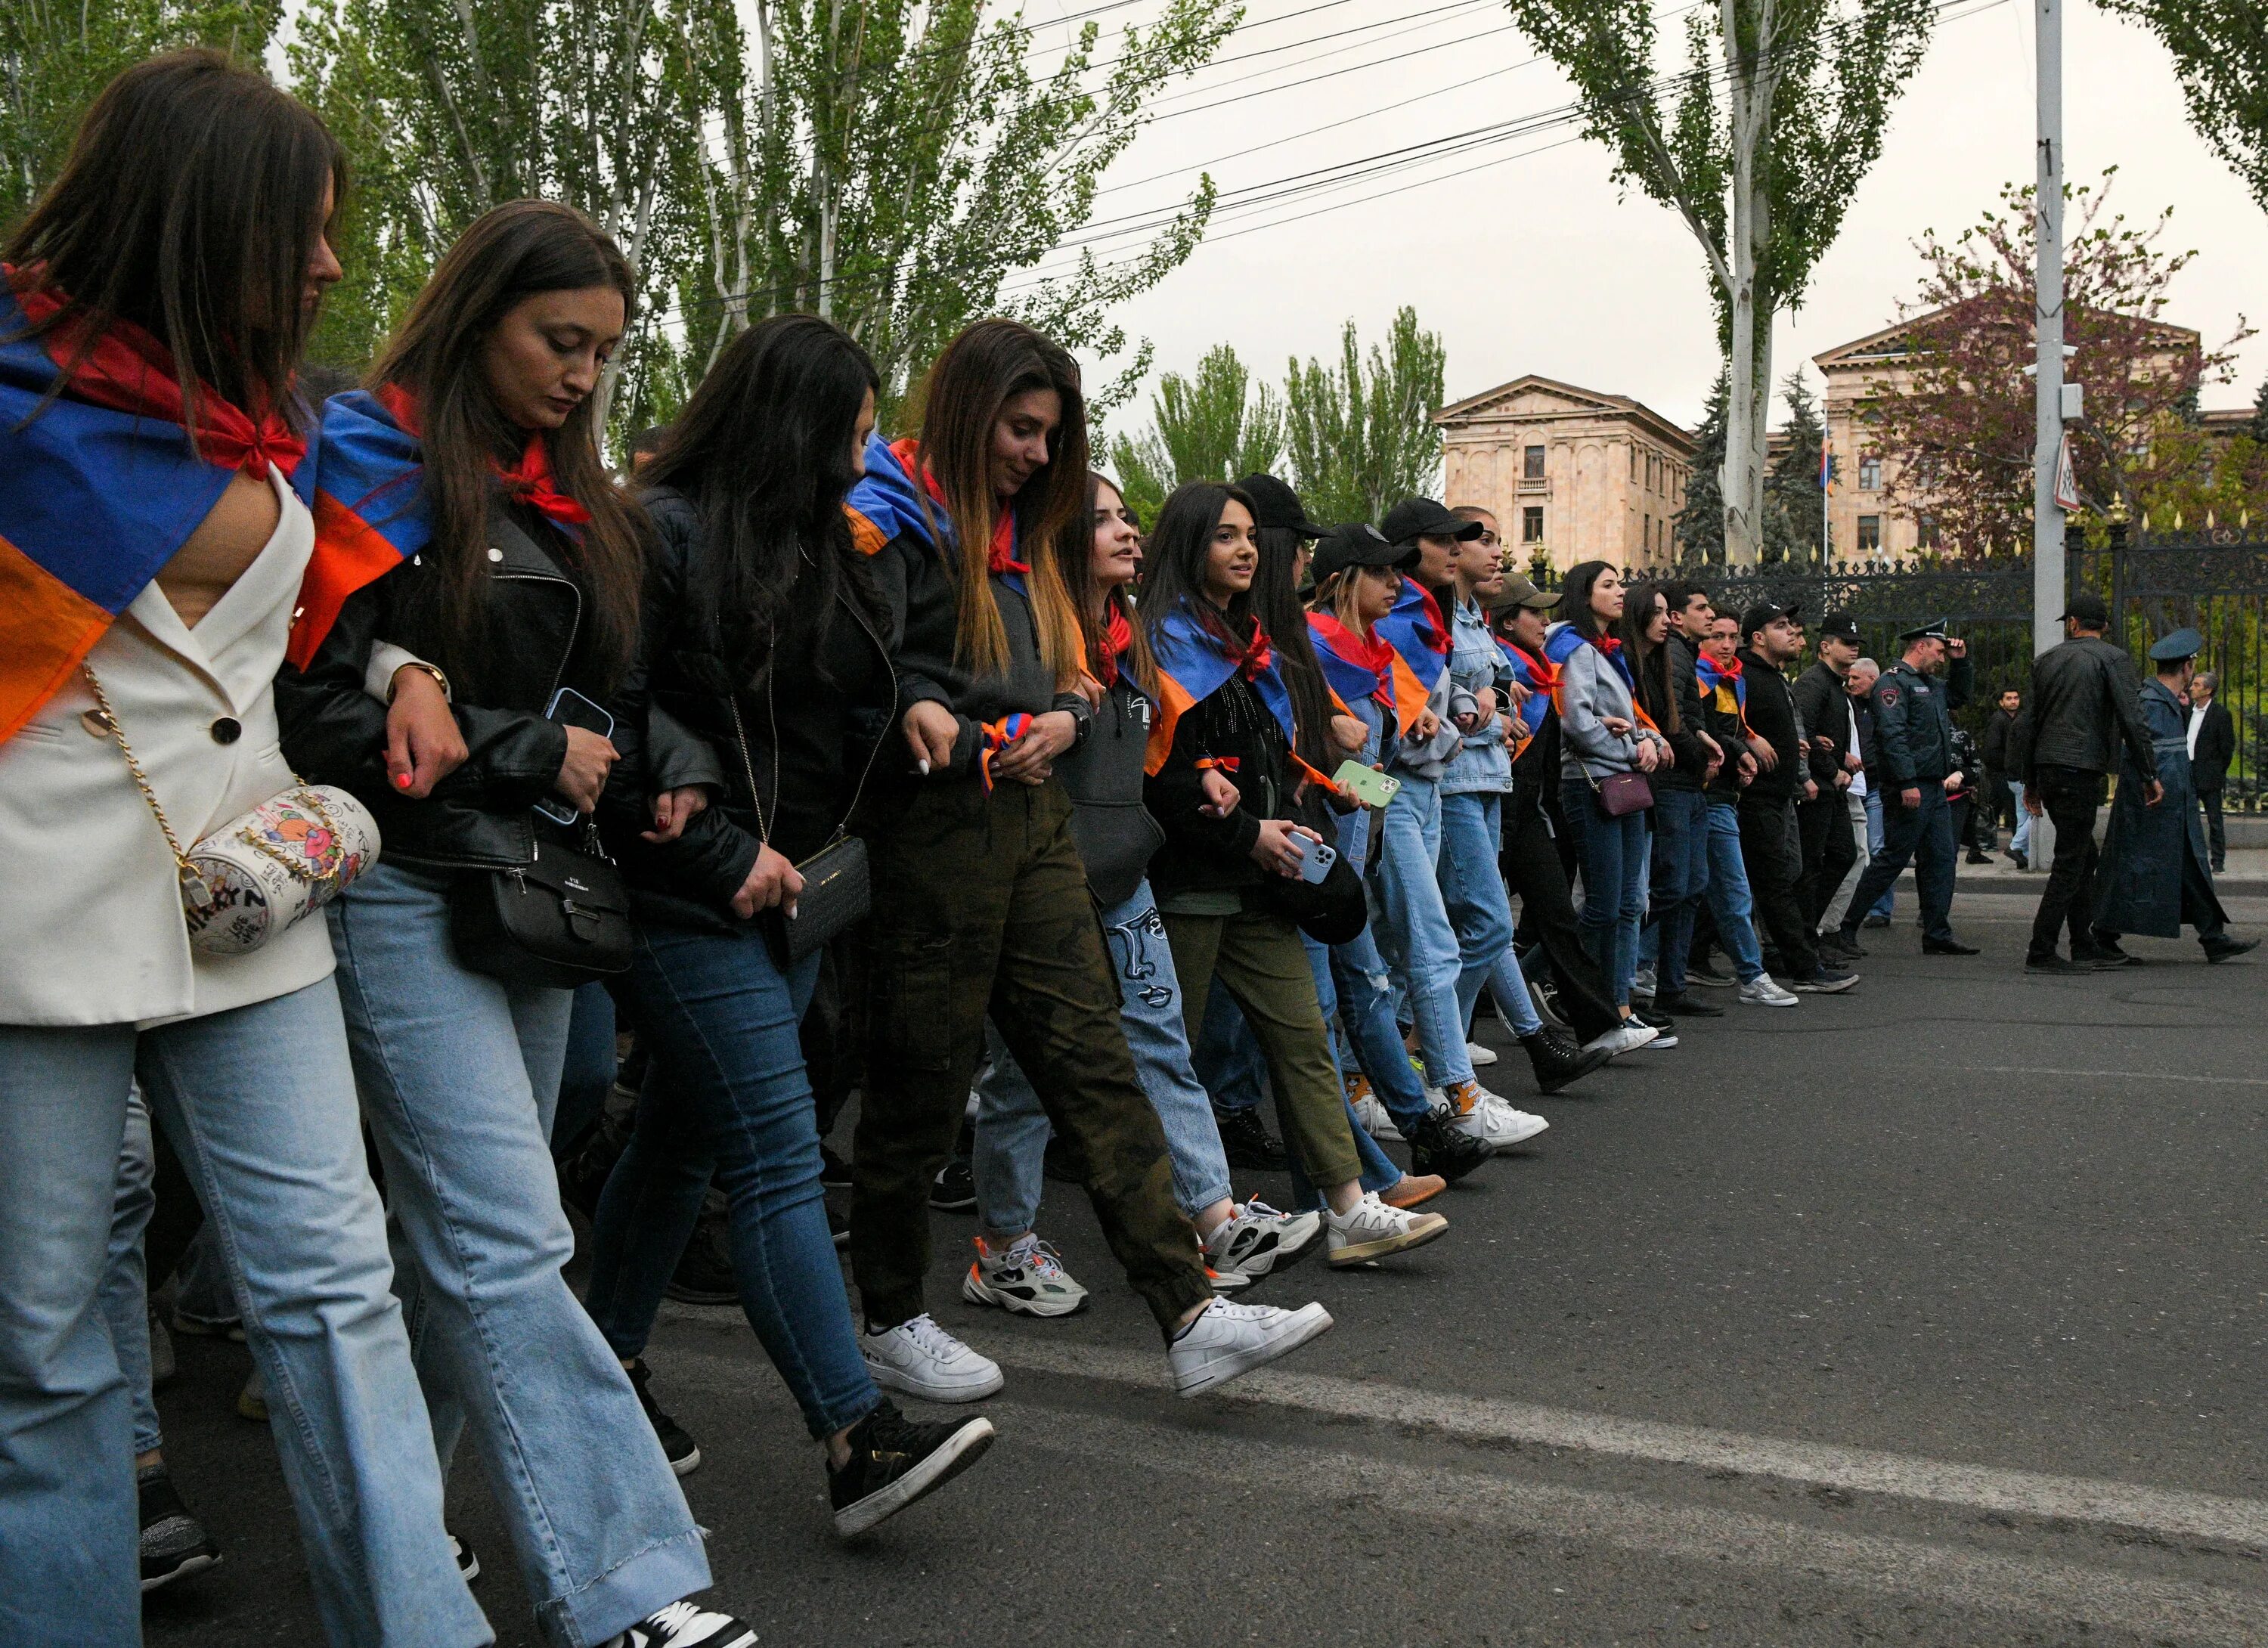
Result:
pixel 1913 729
pixel 2086 703
pixel 2156 874
pixel 2004 784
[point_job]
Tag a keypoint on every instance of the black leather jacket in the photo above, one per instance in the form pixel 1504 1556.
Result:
pixel 809 742
pixel 481 815
pixel 2086 700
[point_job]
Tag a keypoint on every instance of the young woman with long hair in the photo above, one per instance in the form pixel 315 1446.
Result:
pixel 1602 735
pixel 1217 875
pixel 1098 557
pixel 1678 862
pixel 762 636
pixel 154 481
pixel 983 898
pixel 515 579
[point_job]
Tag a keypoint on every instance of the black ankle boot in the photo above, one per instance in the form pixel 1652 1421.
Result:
pixel 1558 1058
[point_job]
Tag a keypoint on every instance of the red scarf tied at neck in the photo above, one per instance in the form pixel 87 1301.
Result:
pixel 1117 638
pixel 1253 655
pixel 1607 645
pixel 1730 669
pixel 1000 555
pixel 529 480
pixel 130 370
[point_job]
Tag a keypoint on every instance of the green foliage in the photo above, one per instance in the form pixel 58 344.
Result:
pixel 1794 507
pixel 2260 414
pixel 2221 54
pixel 57 54
pixel 1213 427
pixel 1700 524
pixel 1361 434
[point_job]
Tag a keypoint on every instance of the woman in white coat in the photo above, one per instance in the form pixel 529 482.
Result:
pixel 153 548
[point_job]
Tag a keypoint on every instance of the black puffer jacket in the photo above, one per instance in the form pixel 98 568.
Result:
pixel 810 742
pixel 482 815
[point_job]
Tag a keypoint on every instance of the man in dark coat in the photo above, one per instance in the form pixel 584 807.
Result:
pixel 2212 746
pixel 1823 820
pixel 2154 876
pixel 2083 708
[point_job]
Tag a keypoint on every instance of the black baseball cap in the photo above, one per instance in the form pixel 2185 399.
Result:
pixel 1841 625
pixel 1762 613
pixel 2089 608
pixel 1359 544
pixel 1276 504
pixel 1413 519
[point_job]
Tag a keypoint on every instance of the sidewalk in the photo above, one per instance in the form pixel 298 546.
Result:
pixel 2247 873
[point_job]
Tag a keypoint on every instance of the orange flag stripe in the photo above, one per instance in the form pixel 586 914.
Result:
pixel 47 628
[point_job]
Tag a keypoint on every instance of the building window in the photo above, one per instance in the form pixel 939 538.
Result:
pixel 1633 455
pixel 1928 538
pixel 1870 473
pixel 1870 534
pixel 1531 465
pixel 1531 519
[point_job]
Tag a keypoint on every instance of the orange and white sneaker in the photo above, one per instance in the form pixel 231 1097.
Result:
pixel 1474 1109
pixel 1027 1277
pixel 1369 1111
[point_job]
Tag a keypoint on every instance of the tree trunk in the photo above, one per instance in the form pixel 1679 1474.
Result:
pixel 1752 84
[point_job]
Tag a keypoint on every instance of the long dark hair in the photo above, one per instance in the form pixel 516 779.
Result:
pixel 190 206
pixel 1577 602
pixel 763 450
pixel 1649 661
pixel 1174 559
pixel 980 372
pixel 1275 598
pixel 1074 551
pixel 515 252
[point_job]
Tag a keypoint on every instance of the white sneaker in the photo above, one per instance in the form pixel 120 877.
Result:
pixel 1481 1057
pixel 1256 1238
pixel 1229 1340
pixel 1474 1109
pixel 923 1360
pixel 685 1625
pixel 1371 1230
pixel 1370 1111
pixel 1761 991
pixel 1026 1278
pixel 1642 985
pixel 1624 1038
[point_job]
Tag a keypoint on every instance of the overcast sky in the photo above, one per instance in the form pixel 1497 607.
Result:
pixel 1538 263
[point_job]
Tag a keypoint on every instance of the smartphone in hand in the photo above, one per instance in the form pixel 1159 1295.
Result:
pixel 570 708
pixel 1365 784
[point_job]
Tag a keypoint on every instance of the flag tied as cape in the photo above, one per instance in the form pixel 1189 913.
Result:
pixel 100 483
pixel 1715 678
pixel 1541 680
pixel 1564 641
pixel 1357 667
pixel 888 500
pixel 1195 660
pixel 1414 629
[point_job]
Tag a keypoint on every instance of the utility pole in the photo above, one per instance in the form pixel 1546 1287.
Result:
pixel 2047 321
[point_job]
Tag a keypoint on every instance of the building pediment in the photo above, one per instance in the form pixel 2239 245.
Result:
pixel 1534 397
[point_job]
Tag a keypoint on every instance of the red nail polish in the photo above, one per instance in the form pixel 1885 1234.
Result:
pixel 402 780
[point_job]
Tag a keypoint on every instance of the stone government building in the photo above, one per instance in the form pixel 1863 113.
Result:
pixel 1578 474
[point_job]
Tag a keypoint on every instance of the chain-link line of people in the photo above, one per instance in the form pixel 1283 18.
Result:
pixel 1151 822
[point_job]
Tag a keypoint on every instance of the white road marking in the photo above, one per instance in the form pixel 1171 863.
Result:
pixel 2136 1076
pixel 2165 1510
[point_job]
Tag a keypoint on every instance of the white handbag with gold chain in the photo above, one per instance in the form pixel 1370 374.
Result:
pixel 265 870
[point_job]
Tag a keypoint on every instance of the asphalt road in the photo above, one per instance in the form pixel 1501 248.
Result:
pixel 1930 1313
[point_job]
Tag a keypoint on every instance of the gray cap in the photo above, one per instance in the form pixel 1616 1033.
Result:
pixel 2183 644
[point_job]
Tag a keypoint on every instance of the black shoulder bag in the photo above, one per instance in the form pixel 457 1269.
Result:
pixel 837 888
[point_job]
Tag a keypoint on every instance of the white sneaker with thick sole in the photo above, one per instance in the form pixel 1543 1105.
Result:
pixel 1626 1037
pixel 1027 1277
pixel 923 1360
pixel 1762 991
pixel 1256 1240
pixel 1481 1057
pixel 1371 1112
pixel 1488 1117
pixel 1371 1230
pixel 685 1625
pixel 1229 1340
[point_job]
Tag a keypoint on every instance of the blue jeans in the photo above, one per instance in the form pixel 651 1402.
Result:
pixel 126 1277
pixel 1364 990
pixel 1480 912
pixel 260 1102
pixel 1614 859
pixel 458 1074
pixel 1877 844
pixel 1013 1130
pixel 725 1092
pixel 1413 923
pixel 2022 841
pixel 1680 881
pixel 1378 1169
pixel 588 1074
pixel 1727 892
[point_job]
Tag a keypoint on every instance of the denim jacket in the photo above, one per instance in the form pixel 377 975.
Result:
pixel 1481 762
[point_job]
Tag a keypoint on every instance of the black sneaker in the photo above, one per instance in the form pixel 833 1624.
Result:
pixel 955 1189
pixel 2228 949
pixel 834 1172
pixel 894 1460
pixel 682 1452
pixel 174 1544
pixel 1245 1140
pixel 1839 944
pixel 2053 963
pixel 1705 972
pixel 2102 951
pixel 705 1270
pixel 686 1625
pixel 1826 982
pixel 1946 946
pixel 1977 858
pixel 1685 1004
pixel 1876 921
pixel 1435 1147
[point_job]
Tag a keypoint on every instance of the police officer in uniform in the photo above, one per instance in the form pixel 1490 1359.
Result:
pixel 1913 729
